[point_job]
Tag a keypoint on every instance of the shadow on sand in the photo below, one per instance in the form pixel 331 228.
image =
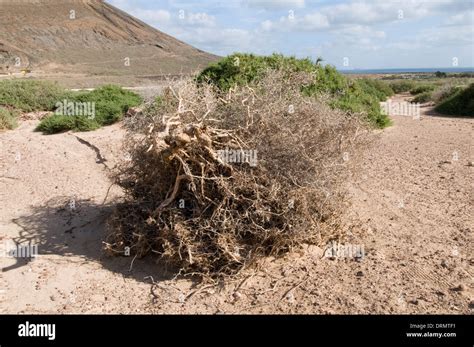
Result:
pixel 78 229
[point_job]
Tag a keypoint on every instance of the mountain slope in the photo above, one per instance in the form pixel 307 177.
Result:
pixel 88 36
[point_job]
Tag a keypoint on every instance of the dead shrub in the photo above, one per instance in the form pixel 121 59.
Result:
pixel 197 200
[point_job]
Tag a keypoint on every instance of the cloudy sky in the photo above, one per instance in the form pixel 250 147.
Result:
pixel 349 34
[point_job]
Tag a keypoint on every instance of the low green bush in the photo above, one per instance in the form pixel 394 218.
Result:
pixel 378 88
pixel 60 123
pixel 359 101
pixel 460 103
pixel 424 88
pixel 8 118
pixel 402 86
pixel 110 102
pixel 241 69
pixel 445 91
pixel 349 95
pixel 422 97
pixel 31 95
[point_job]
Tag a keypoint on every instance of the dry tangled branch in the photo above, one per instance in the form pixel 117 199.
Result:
pixel 216 181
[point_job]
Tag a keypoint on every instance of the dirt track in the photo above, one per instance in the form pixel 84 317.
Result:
pixel 413 203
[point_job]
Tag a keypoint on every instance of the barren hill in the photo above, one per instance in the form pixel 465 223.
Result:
pixel 88 36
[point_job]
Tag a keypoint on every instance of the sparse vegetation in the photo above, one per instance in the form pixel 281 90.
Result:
pixel 8 118
pixel 111 102
pixel 461 102
pixel 451 93
pixel 59 123
pixel 424 88
pixel 28 95
pixel 445 91
pixel 402 86
pixel 349 95
pixel 379 88
pixel 422 97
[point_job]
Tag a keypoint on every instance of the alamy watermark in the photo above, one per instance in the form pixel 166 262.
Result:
pixel 238 156
pixel 74 108
pixel 401 109
pixel 339 250
pixel 12 250
pixel 28 329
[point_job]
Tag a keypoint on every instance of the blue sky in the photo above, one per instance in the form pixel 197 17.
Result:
pixel 368 34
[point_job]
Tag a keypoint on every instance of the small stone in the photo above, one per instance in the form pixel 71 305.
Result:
pixel 359 274
pixel 413 302
pixel 237 296
pixel 459 288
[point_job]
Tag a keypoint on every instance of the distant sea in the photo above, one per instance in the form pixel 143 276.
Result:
pixel 407 70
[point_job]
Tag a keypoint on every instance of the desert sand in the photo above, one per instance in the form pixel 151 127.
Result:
pixel 411 211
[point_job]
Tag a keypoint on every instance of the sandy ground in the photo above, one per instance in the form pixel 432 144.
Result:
pixel 412 212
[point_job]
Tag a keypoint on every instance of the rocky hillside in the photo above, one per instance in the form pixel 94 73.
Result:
pixel 90 37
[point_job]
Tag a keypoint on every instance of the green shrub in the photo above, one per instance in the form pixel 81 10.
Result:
pixel 59 123
pixel 460 103
pixel 422 97
pixel 402 86
pixel 28 96
pixel 359 101
pixel 8 118
pixel 353 96
pixel 445 92
pixel 111 102
pixel 242 69
pixel 424 88
pixel 378 88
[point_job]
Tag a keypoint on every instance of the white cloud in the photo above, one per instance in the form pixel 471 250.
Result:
pixel 368 13
pixel 361 31
pixel 266 25
pixel 466 18
pixel 314 21
pixel 225 37
pixel 199 19
pixel 220 41
pixel 310 22
pixel 158 17
pixel 438 38
pixel 275 4
pixel 447 36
